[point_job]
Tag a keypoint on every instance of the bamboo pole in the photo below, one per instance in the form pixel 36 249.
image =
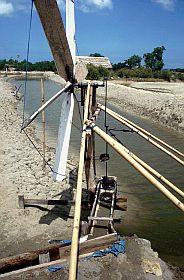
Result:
pixel 120 149
pixel 43 121
pixel 121 120
pixel 77 214
pixel 154 172
pixel 147 133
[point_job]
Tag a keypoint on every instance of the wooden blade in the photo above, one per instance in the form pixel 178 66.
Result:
pixel 54 30
pixel 63 137
pixel 70 28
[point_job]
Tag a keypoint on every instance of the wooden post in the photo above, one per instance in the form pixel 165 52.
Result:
pixel 43 121
pixel 121 120
pixel 89 156
pixel 21 202
pixel 77 214
pixel 121 150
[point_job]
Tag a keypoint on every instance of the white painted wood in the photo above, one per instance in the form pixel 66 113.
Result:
pixel 68 103
pixel 63 137
pixel 70 28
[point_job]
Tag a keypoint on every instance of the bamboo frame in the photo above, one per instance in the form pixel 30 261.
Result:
pixel 43 121
pixel 121 150
pixel 132 126
pixel 154 137
pixel 77 214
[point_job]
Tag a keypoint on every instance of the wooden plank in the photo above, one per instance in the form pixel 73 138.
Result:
pixel 29 202
pixel 86 247
pixel 33 270
pixel 54 30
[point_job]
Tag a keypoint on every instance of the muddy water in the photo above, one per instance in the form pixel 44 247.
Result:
pixel 150 215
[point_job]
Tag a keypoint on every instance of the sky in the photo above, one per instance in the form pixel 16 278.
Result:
pixel 117 29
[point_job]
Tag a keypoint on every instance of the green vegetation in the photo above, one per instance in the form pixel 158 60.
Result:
pixel 133 61
pixel 97 73
pixel 96 55
pixel 129 69
pixel 154 59
pixel 21 65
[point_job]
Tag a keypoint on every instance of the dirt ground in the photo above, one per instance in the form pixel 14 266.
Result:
pixel 22 174
pixel 162 102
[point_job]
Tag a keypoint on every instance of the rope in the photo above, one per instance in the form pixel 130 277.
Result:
pixel 27 63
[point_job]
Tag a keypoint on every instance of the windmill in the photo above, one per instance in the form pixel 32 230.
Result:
pixel 62 45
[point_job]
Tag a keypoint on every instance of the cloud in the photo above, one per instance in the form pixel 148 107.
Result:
pixel 90 5
pixel 6 8
pixel 166 4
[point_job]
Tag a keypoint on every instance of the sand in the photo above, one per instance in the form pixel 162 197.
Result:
pixel 161 102
pixel 22 174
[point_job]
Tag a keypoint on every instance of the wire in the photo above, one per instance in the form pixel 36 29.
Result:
pixel 77 49
pixel 114 135
pixel 46 162
pixel 106 128
pixel 27 62
pixel 123 130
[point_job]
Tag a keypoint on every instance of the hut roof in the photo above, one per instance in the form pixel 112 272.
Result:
pixel 96 61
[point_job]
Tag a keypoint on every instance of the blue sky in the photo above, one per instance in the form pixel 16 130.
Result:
pixel 114 28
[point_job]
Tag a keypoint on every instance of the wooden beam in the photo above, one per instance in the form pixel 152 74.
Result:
pixel 54 30
pixel 23 202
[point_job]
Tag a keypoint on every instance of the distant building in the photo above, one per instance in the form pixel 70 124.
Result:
pixel 96 61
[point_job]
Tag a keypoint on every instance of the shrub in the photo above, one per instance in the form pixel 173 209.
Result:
pixel 96 73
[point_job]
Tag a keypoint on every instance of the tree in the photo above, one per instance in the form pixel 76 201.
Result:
pixel 154 60
pixel 117 66
pixel 133 61
pixel 96 55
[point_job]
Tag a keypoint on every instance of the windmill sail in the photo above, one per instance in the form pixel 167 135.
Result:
pixel 62 45
pixel 54 30
pixel 68 103
pixel 63 137
pixel 70 28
